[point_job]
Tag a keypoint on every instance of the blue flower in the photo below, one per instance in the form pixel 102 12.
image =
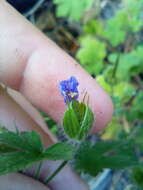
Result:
pixel 69 89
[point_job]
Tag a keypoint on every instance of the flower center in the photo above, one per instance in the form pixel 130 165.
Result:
pixel 72 94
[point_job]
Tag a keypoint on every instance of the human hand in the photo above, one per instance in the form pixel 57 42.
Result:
pixel 33 65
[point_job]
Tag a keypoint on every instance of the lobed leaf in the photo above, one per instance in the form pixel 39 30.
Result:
pixel 109 154
pixel 72 9
pixel 25 141
pixel 59 151
pixel 19 150
pixel 16 161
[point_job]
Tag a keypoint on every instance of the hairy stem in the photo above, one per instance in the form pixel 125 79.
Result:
pixel 56 172
pixel 37 173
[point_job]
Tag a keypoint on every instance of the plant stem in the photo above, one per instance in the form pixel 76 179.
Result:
pixel 37 173
pixel 114 74
pixel 56 172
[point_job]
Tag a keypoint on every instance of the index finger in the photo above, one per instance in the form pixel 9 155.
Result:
pixel 34 65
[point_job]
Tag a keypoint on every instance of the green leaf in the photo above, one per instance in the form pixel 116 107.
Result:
pixel 70 123
pixel 113 30
pixel 134 12
pixel 24 141
pixel 112 130
pixel 107 154
pixel 105 85
pixel 78 120
pixel 138 137
pixel 137 108
pixel 59 151
pixel 16 161
pixel 19 150
pixel 91 54
pixel 126 21
pixel 137 175
pixel 130 64
pixel 72 9
pixel 5 148
pixel 94 27
pixel 85 118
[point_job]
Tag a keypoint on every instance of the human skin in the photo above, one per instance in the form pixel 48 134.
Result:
pixel 31 66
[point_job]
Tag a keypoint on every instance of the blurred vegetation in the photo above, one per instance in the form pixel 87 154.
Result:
pixel 106 37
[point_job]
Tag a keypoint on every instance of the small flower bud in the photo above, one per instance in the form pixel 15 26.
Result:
pixel 78 120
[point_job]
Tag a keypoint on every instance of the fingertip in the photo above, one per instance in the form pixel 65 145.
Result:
pixel 46 68
pixel 103 114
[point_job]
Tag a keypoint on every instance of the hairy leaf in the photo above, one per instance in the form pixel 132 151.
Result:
pixel 18 150
pixel 59 151
pixel 16 161
pixel 109 154
pixel 24 141
pixel 5 148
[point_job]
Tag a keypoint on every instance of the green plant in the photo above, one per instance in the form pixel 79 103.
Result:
pixel 92 51
pixel 20 150
pixel 73 9
pixel 111 50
